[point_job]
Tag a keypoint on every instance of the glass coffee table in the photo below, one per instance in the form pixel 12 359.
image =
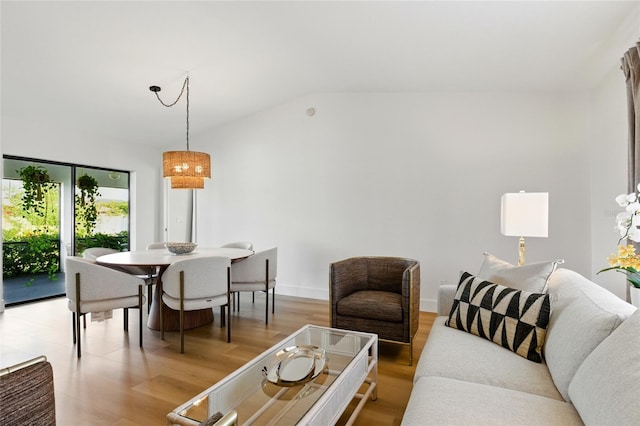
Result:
pixel 308 378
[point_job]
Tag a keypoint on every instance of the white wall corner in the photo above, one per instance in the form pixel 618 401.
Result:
pixel 306 292
pixel 428 305
pixel 1 306
pixel 612 49
pixel 628 29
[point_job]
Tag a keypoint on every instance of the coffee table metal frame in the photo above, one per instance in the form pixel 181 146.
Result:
pixel 350 373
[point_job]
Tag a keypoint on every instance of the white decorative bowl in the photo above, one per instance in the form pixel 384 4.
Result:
pixel 181 248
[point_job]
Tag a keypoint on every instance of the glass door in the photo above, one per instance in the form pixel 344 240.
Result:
pixel 52 210
pixel 101 209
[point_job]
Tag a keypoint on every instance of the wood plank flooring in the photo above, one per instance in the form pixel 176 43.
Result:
pixel 117 383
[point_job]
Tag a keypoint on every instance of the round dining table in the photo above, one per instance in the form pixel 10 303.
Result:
pixel 158 260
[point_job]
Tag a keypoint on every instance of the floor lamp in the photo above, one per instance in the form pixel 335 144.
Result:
pixel 524 214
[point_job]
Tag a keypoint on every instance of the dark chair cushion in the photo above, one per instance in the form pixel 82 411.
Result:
pixel 372 304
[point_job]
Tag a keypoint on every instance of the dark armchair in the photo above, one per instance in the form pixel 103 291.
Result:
pixel 27 396
pixel 377 295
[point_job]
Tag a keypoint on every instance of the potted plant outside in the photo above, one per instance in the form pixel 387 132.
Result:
pixel 36 182
pixel 86 208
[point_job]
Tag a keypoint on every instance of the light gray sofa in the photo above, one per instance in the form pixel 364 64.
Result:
pixel 591 372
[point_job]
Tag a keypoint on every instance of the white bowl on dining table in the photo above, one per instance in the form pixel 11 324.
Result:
pixel 180 248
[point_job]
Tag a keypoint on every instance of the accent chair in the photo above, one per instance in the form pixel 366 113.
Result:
pixel 378 295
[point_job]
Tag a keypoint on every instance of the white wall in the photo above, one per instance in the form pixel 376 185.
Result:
pixel 400 174
pixel 609 152
pixel 404 174
pixel 43 140
pixel 609 174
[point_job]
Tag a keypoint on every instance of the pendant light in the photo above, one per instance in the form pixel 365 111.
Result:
pixel 186 169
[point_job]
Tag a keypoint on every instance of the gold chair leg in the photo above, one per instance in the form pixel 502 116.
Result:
pixel 161 318
pixel 229 304
pixel 79 338
pixel 266 292
pixel 77 317
pixel 229 326
pixel 149 297
pixel 73 324
pixel 140 309
pixel 181 312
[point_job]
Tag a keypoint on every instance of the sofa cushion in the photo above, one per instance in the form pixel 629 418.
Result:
pixel 515 319
pixel 372 304
pixel 458 355
pixel 606 387
pixel 532 277
pixel 444 401
pixel 584 314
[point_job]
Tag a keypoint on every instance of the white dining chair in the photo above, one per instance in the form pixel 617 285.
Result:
pixel 246 245
pixel 257 273
pixel 92 253
pixel 94 288
pixel 147 274
pixel 194 284
pixel 154 273
pixel 156 245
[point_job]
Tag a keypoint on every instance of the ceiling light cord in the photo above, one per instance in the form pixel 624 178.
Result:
pixel 185 87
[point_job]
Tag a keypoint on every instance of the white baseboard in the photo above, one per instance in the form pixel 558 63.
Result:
pixel 307 292
pixel 426 305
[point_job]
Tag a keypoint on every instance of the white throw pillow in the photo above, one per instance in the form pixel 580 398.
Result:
pixel 533 277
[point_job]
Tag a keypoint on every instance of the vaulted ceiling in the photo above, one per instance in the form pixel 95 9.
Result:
pixel 87 65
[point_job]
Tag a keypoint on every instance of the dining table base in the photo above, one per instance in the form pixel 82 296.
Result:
pixel 192 319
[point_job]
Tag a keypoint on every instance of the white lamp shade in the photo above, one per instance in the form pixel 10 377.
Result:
pixel 525 214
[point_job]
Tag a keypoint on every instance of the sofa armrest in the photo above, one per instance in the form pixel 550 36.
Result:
pixel 446 294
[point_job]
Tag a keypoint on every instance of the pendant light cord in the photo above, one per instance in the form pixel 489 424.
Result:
pixel 185 87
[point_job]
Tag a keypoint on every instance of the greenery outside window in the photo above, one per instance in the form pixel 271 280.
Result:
pixel 51 210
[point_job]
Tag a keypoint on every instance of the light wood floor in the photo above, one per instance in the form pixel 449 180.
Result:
pixel 117 383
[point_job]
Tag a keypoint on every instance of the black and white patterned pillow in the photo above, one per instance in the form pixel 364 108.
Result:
pixel 514 319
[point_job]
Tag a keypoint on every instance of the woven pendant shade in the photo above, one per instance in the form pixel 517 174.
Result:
pixel 186 169
pixel 187 182
pixel 186 164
